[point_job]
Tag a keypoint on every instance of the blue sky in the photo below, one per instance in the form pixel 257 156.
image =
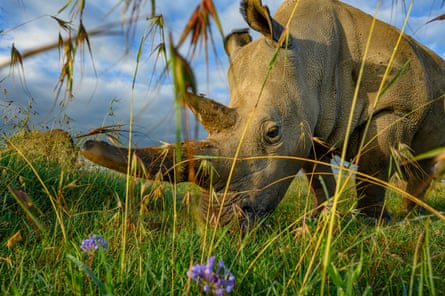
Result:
pixel 108 85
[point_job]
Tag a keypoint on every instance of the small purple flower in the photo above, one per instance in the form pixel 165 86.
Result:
pixel 219 281
pixel 91 244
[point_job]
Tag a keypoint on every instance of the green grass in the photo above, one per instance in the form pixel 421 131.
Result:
pixel 283 257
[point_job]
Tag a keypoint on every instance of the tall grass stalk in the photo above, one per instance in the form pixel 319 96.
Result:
pixel 427 255
pixel 173 243
pixel 27 211
pixel 57 211
pixel 417 250
pixel 339 187
pixel 129 192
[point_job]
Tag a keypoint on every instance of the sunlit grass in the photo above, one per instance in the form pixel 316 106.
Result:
pixel 401 256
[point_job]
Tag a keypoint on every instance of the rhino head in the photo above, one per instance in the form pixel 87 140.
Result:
pixel 254 145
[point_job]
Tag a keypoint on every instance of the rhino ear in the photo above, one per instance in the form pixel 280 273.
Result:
pixel 236 40
pixel 258 17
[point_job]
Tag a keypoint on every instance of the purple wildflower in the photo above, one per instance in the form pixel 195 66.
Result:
pixel 218 282
pixel 91 244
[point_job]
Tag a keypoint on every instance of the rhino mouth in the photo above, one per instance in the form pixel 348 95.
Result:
pixel 219 208
pixel 222 209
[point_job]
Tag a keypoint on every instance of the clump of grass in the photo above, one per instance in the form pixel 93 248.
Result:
pixel 282 256
pixel 54 145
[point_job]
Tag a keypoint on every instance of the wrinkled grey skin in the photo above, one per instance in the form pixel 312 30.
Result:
pixel 307 94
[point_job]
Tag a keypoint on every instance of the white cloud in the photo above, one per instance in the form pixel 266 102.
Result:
pixel 152 103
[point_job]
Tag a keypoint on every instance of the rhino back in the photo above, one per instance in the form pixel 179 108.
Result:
pixel 417 94
pixel 336 43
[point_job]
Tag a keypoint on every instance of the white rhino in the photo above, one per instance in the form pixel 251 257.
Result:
pixel 295 84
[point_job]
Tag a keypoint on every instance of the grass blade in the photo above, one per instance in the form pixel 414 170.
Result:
pixel 82 266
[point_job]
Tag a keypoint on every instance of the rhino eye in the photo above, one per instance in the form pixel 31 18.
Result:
pixel 273 134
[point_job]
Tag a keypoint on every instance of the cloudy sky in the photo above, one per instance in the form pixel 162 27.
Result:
pixel 103 89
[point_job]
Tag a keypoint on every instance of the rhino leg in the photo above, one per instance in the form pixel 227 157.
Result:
pixel 418 178
pixel 416 182
pixel 371 201
pixel 322 184
pixel 321 178
pixel 386 130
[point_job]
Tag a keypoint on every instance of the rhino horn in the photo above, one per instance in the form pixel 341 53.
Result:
pixel 213 116
pixel 258 17
pixel 152 161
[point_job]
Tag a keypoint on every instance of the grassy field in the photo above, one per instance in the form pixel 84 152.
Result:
pixel 154 237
